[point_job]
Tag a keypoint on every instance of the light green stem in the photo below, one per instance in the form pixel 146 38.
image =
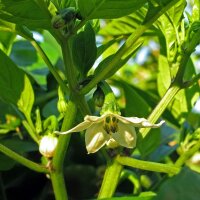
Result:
pixel 24 161
pixel 112 175
pixel 160 108
pixel 57 175
pixel 48 63
pixel 146 165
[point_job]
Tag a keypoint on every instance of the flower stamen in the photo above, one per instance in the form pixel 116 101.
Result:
pixel 110 124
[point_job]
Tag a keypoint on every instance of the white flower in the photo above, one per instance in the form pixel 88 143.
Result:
pixel 48 145
pixel 110 129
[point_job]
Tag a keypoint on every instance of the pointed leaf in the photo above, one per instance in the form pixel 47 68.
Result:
pixel 84 49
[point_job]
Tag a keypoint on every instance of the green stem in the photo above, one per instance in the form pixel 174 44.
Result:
pixel 146 165
pixel 24 161
pixel 160 108
pixel 48 63
pixel 57 175
pixel 30 130
pixel 186 155
pixel 71 74
pixel 110 180
pixel 130 42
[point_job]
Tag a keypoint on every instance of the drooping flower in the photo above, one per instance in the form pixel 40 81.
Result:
pixel 110 129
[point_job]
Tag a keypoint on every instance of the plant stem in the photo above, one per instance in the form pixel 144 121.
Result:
pixel 57 175
pixel 48 63
pixel 130 42
pixel 146 165
pixel 24 161
pixel 110 180
pixel 30 131
pixel 160 108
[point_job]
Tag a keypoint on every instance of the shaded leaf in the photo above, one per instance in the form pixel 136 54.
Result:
pixel 184 186
pixel 84 49
pixel 23 53
pixel 25 12
pixel 135 104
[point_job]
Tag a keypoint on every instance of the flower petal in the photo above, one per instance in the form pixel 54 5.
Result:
pixel 96 119
pixel 111 143
pixel 80 127
pixel 126 135
pixel 139 122
pixel 95 138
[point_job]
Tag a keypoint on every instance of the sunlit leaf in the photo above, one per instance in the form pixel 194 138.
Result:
pixel 108 9
pixel 15 87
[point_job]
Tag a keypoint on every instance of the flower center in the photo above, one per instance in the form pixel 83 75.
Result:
pixel 110 124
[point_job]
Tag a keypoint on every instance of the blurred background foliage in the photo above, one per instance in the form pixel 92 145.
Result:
pixel 138 87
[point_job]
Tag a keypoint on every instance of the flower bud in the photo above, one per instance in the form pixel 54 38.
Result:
pixel 48 145
pixel 63 17
pixel 98 97
pixel 58 22
pixel 62 103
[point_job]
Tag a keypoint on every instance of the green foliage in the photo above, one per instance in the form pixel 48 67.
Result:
pixel 142 53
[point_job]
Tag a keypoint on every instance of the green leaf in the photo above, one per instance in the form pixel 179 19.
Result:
pixel 84 49
pixel 150 142
pixel 6 40
pixel 169 25
pixel 195 10
pixel 18 146
pixel 60 4
pixel 184 186
pixel 186 98
pixel 25 12
pixel 102 65
pixel 135 104
pixel 108 9
pixel 124 25
pixel 23 53
pixel 164 78
pixel 15 87
pixel 6 163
